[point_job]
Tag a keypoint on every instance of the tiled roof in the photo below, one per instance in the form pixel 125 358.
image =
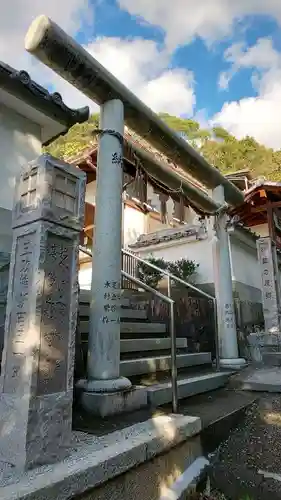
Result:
pixel 20 85
pixel 165 235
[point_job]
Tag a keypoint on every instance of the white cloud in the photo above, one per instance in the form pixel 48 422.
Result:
pixel 171 92
pixel 257 116
pixel 183 20
pixel 261 56
pixel 16 16
pixel 224 79
pixel 141 66
pixel 138 63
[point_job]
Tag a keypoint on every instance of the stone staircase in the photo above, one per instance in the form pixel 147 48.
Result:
pixel 145 354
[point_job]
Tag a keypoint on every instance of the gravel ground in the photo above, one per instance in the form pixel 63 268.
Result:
pixel 247 465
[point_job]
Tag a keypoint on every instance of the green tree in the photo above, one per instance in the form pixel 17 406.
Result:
pixel 219 147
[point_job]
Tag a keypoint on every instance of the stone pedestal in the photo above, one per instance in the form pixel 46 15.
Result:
pixel 265 348
pixel 39 345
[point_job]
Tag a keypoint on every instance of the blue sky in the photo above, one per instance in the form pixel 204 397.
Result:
pixel 206 63
pixel 218 60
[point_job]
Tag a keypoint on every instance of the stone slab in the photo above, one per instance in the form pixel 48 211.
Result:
pixel 162 393
pixel 186 483
pixel 106 404
pixel 101 459
pixel 158 344
pixel 133 328
pixel 162 363
pixel 150 479
pixel 262 380
pixel 272 358
pixel 142 345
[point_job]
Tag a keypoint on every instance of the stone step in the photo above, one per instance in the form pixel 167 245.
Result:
pixel 133 294
pixel 260 379
pixel 161 394
pixel 157 344
pixel 142 345
pixel 128 313
pixel 271 358
pixel 132 328
pixel 155 364
pixel 127 300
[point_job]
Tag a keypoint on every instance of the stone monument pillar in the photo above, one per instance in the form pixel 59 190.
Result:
pixel 36 384
pixel 226 320
pixel 268 282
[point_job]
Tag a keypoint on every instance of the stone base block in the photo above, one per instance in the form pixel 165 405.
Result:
pixel 261 344
pixel 108 385
pixel 262 380
pixel 34 431
pixel 106 404
pixel 136 462
pixel 272 358
pixel 233 363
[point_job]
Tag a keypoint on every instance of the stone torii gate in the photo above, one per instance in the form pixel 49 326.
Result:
pixel 46 41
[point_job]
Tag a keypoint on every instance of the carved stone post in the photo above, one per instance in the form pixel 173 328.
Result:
pixel 36 385
pixel 269 287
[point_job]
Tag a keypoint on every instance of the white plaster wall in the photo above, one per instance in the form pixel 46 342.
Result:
pixel 199 251
pixel 261 230
pixel 20 142
pixel 245 267
pixel 90 195
pixel 85 277
pixel 134 224
pixel 244 263
pixel 5 230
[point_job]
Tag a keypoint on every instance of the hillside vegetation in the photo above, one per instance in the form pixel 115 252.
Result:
pixel 219 147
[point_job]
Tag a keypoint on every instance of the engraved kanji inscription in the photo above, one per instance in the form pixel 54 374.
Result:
pixel 19 317
pixel 55 315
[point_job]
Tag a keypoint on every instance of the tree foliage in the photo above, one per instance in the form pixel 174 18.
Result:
pixel 218 146
pixel 184 269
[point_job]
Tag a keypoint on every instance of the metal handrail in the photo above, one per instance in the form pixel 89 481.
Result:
pixel 170 277
pixel 143 285
pixel 168 274
pixel 171 302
